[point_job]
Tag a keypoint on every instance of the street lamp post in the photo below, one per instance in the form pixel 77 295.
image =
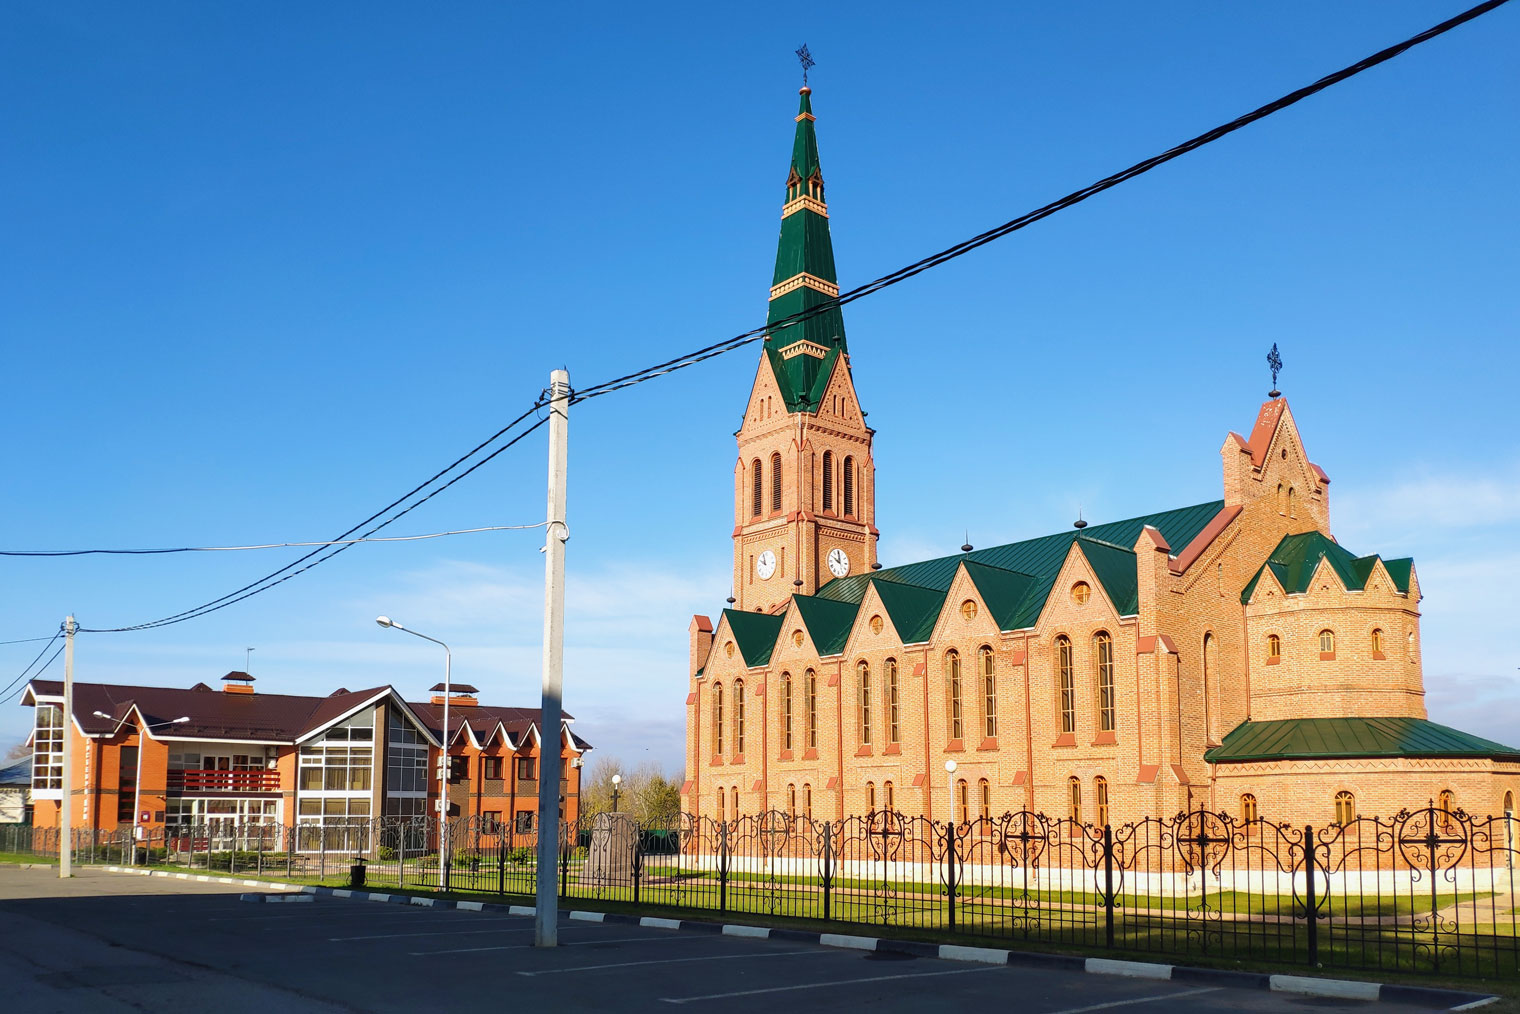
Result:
pixel 617 780
pixel 443 755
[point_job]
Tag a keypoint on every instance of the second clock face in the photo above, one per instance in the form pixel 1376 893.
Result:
pixel 839 564
pixel 765 565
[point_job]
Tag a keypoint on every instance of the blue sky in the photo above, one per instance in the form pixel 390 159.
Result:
pixel 266 268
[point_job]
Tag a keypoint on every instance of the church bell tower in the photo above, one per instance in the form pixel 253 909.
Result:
pixel 804 482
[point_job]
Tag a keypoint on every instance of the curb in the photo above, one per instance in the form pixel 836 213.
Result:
pixel 1425 996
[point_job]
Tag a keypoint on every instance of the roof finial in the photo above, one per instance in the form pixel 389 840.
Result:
pixel 806 59
pixel 1079 524
pixel 967 547
pixel 1274 363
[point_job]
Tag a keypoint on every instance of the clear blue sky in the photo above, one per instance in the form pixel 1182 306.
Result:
pixel 267 266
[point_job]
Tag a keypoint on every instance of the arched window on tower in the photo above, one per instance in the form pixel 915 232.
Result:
pixel 962 802
pixel 893 731
pixel 1248 811
pixel 1103 650
pixel 1345 808
pixel 717 719
pixel 989 692
pixel 775 483
pixel 807 800
pixel 828 480
pixel 1282 499
pixel 1274 648
pixel 957 729
pixel 1210 705
pixel 1327 642
pixel 733 798
pixel 1066 675
pixel 870 797
pixel 1100 790
pixel 888 796
pixel 863 690
pixel 1292 508
pixel 1074 794
pixel 984 798
pixel 849 487
pixel 786 711
pixel 791 800
pixel 1377 642
pixel 1446 805
pixel 757 483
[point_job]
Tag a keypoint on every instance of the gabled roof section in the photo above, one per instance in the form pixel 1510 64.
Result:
pixel 1115 568
pixel 1323 738
pixel 1040 559
pixel 1297 557
pixel 912 609
pixel 1006 592
pixel 754 633
pixel 828 622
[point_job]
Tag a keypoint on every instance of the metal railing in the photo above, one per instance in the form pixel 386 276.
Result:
pixel 1423 891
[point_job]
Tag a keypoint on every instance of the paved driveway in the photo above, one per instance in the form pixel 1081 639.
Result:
pixel 113 942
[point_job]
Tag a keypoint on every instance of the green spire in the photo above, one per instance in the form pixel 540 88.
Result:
pixel 803 355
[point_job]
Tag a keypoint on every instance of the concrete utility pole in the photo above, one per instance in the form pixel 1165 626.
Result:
pixel 66 807
pixel 546 916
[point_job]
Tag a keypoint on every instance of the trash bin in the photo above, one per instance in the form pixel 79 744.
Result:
pixel 356 872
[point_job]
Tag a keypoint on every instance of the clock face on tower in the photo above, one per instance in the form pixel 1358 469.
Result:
pixel 765 565
pixel 839 564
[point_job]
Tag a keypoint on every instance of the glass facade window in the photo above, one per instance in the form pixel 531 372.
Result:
pixel 334 786
pixel 47 751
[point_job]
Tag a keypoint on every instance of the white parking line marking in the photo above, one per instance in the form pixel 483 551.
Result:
pixel 820 985
pixel 563 943
pixel 671 961
pixel 1142 999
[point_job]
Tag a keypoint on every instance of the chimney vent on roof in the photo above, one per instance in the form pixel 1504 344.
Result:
pixel 201 688
pixel 237 682
pixel 340 690
pixel 462 695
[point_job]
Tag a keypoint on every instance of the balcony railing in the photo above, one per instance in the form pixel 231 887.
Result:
pixel 200 780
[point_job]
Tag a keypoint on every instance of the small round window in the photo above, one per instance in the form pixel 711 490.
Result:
pixel 797 638
pixel 1081 592
pixel 876 624
pixel 968 609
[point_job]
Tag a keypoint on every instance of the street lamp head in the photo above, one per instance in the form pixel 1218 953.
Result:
pixel 386 621
pixel 617 779
pixel 181 720
pixel 102 714
pixel 950 766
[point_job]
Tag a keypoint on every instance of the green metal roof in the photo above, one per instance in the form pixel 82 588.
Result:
pixel 1040 561
pixel 1297 557
pixel 913 610
pixel 1320 738
pixel 828 622
pixel 755 633
pixel 804 247
pixel 1004 591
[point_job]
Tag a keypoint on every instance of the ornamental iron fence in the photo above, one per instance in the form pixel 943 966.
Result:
pixel 1426 890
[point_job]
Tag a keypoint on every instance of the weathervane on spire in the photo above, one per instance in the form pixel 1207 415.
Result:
pixel 806 59
pixel 1274 363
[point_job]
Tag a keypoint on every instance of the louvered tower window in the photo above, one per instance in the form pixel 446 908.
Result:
pixel 849 487
pixel 757 483
pixel 828 480
pixel 775 482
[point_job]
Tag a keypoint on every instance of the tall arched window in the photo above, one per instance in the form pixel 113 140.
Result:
pixel 1100 790
pixel 989 692
pixel 1074 791
pixel 791 800
pixel 717 718
pixel 807 800
pixel 1327 642
pixel 888 796
pixel 722 803
pixel 757 484
pixel 1103 651
pixel 1292 507
pixel 738 716
pixel 962 802
pixel 1282 499
pixel 1345 808
pixel 1248 812
pixel 863 684
pixel 870 797
pixel 1377 641
pixel 812 709
pixel 1067 676
pixel 775 483
pixel 1509 804
pixel 1209 704
pixel 786 711
pixel 828 480
pixel 733 798
pixel 1274 648
pixel 892 725
pixel 984 798
pixel 849 486
pixel 1446 803
pixel 957 728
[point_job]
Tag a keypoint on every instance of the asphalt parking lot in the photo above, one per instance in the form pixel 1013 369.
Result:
pixel 114 942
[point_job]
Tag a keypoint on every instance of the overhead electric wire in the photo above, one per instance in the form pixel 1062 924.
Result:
pixel 28 640
pixel 6 693
pixel 23 677
pixel 859 292
pixel 269 545
pixel 1029 218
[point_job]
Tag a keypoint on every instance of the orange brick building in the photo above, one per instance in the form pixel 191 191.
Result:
pixel 161 758
pixel 1229 655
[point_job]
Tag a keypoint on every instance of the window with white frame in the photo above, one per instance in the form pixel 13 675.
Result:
pixel 333 790
pixel 47 752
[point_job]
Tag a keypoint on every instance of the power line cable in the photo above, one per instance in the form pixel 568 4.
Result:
pixel 6 693
pixel 19 679
pixel 270 545
pixel 27 640
pixel 1029 218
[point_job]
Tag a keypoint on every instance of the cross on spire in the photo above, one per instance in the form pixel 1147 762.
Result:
pixel 1274 363
pixel 806 59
